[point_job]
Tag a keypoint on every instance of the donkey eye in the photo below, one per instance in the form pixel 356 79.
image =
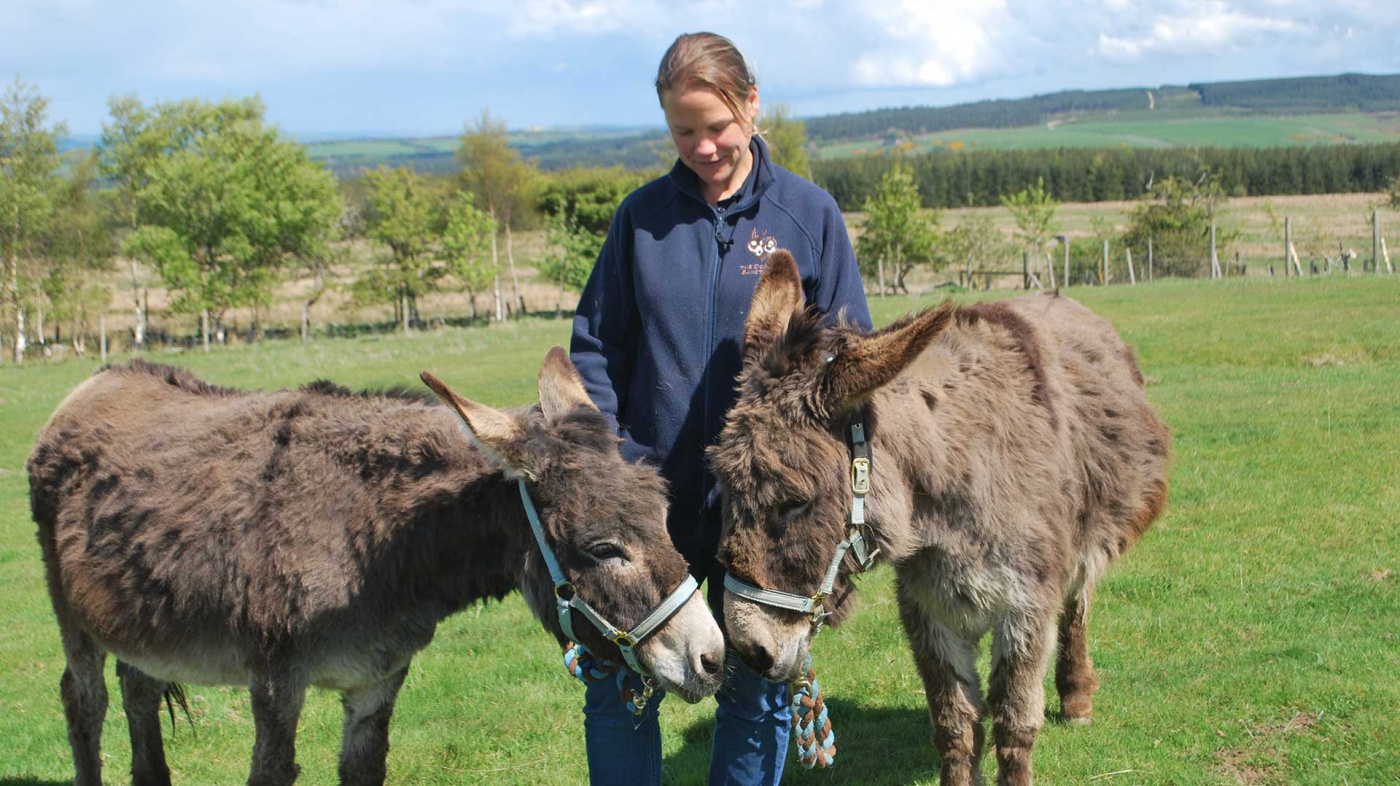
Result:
pixel 605 551
pixel 793 507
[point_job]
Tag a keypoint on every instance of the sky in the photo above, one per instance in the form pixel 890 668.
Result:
pixel 329 68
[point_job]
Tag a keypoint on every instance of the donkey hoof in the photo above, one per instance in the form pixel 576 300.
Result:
pixel 1084 720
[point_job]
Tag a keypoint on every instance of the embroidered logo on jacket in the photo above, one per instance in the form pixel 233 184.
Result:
pixel 760 247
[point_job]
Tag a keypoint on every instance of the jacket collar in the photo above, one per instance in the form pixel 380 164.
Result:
pixel 688 183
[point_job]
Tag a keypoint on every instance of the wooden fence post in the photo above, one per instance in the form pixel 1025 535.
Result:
pixel 1149 260
pixel 880 266
pixel 1215 271
pixel 1103 264
pixel 1287 244
pixel 1050 265
pixel 1066 245
pixel 204 327
pixel 1376 241
pixel 1026 270
pixel 1132 277
pixel 102 329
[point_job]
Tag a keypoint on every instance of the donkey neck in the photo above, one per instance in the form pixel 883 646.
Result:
pixel 465 519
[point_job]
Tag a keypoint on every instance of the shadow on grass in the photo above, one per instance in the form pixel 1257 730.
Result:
pixel 875 745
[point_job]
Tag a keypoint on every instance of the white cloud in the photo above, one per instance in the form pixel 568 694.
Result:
pixel 937 43
pixel 1192 28
pixel 591 61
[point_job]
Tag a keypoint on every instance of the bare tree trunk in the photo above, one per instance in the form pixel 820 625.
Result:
pixel 204 327
pixel 514 279
pixel 880 266
pixel 496 267
pixel 20 343
pixel 140 311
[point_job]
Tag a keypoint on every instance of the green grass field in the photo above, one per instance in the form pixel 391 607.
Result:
pixel 1253 636
pixel 1144 129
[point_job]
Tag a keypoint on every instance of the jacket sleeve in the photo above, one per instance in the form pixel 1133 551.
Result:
pixel 606 324
pixel 839 286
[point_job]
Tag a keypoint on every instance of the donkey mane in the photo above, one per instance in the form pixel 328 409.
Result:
pixel 1000 315
pixel 175 377
pixel 326 387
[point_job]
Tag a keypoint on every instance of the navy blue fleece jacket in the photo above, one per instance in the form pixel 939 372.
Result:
pixel 659 330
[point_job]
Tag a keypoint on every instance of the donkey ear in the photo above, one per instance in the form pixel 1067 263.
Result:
pixel 561 388
pixel 499 434
pixel 867 363
pixel 776 299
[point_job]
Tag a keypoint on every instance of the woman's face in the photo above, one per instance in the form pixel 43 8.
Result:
pixel 709 138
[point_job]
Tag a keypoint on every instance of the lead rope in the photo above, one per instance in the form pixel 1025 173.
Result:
pixel 585 668
pixel 816 742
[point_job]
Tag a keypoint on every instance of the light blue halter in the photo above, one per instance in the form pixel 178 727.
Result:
pixel 815 605
pixel 566 599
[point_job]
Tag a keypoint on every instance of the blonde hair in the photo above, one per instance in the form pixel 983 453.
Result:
pixel 710 62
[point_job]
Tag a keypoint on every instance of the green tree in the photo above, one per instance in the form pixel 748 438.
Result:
pixel 500 181
pixel 1177 218
pixel 466 248
pixel 573 251
pixel 404 212
pixel 28 164
pixel 135 139
pixel 1033 209
pixel 78 251
pixel 787 139
pixel 224 212
pixel 976 245
pixel 898 234
pixel 578 207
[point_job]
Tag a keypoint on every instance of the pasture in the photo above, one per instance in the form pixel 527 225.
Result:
pixel 1192 128
pixel 1252 636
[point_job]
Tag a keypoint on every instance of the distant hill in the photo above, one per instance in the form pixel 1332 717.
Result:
pixel 1301 95
pixel 1320 110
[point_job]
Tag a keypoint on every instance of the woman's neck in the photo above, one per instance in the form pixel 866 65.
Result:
pixel 713 194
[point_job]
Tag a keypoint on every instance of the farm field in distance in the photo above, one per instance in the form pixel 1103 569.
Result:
pixel 1250 637
pixel 1148 129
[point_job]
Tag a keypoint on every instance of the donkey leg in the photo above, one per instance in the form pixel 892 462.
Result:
pixel 84 691
pixel 947 665
pixel 364 741
pixel 1021 650
pixel 1074 671
pixel 277 697
pixel 141 695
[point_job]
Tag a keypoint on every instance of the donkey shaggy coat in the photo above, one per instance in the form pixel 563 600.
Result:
pixel 1015 456
pixel 317 537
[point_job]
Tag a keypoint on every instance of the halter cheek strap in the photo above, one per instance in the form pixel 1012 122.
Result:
pixel 567 600
pixel 815 605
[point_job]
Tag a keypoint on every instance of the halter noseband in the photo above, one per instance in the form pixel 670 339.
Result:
pixel 566 599
pixel 815 605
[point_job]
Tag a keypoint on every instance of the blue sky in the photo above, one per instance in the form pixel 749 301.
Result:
pixel 419 67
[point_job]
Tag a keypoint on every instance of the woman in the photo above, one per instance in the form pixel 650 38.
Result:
pixel 658 337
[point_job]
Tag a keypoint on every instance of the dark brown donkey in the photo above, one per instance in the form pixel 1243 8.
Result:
pixel 317 537
pixel 1014 457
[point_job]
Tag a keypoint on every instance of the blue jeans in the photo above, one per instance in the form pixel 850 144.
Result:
pixel 751 734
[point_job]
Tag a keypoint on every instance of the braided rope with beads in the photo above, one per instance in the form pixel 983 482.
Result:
pixel 816 742
pixel 581 664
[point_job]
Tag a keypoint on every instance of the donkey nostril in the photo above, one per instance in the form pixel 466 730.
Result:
pixel 711 666
pixel 760 660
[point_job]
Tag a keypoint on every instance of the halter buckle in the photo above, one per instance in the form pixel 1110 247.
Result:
pixel 860 475
pixel 624 639
pixel 565 591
